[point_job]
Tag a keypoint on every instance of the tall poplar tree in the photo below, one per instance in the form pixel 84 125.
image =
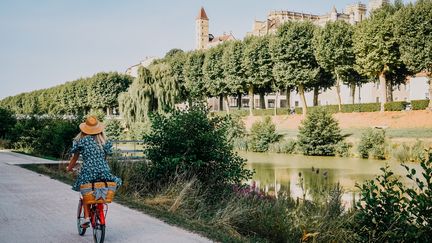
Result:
pixel 193 75
pixel 233 69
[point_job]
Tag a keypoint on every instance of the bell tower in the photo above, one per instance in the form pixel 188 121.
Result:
pixel 202 29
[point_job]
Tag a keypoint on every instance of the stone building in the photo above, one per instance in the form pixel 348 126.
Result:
pixel 204 38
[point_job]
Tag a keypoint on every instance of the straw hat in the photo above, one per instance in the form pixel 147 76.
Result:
pixel 91 126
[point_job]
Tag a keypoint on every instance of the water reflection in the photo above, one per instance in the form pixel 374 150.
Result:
pixel 298 175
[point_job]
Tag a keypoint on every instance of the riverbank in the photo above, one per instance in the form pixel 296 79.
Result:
pixel 397 120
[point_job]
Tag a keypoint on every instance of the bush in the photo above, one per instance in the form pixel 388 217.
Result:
pixel 44 136
pixel 395 106
pixel 319 133
pixel 191 144
pixel 343 149
pixel 7 122
pixel 288 146
pixel 372 144
pixel 262 134
pixel 416 153
pixel 346 108
pixel 113 129
pixel 419 104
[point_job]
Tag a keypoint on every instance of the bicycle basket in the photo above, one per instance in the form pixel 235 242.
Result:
pixel 98 192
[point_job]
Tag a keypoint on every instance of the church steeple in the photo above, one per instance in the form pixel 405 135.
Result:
pixel 202 29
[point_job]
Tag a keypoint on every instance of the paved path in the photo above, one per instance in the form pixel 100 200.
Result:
pixel 35 208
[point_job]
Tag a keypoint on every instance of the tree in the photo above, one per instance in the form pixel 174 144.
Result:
pixel 414 33
pixel 377 48
pixel 334 51
pixel 192 71
pixel 7 121
pixel 213 72
pixel 173 52
pixel 176 62
pixel 233 69
pixel 319 133
pixel 293 54
pixel 140 98
pixel 258 66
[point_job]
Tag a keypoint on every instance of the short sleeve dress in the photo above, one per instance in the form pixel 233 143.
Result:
pixel 95 166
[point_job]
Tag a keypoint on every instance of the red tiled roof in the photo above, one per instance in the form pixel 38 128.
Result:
pixel 202 14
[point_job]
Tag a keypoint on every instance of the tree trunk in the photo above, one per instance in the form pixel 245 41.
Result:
pixel 221 103
pixel 338 93
pixel 262 100
pixel 251 100
pixel 389 97
pixel 276 102
pixel 353 88
pixel 315 96
pixel 303 98
pixel 383 90
pixel 226 103
pixel 239 100
pixel 288 99
pixel 430 91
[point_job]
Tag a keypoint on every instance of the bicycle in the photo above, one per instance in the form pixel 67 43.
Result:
pixel 98 214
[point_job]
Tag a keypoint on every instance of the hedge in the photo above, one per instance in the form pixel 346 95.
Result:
pixel 395 106
pixel 419 104
pixel 346 108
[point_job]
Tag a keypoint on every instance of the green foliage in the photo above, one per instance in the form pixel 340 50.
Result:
pixel 204 154
pixel 76 97
pixel 234 126
pixel 113 129
pixel 193 75
pixel 415 153
pixel 382 214
pixel 373 144
pixel 44 136
pixel 346 108
pixel 7 121
pixel 395 106
pixel 319 133
pixel 232 66
pixel 419 104
pixel 213 70
pixel 99 114
pixel 286 146
pixel 342 149
pixel 262 134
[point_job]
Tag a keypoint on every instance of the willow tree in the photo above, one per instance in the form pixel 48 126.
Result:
pixel 414 33
pixel 333 49
pixel 258 66
pixel 166 88
pixel 295 63
pixel 233 69
pixel 139 100
pixel 377 49
pixel 193 75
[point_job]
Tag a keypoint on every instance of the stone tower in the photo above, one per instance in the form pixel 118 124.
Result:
pixel 374 4
pixel 202 29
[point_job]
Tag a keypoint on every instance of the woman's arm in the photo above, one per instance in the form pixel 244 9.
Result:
pixel 72 162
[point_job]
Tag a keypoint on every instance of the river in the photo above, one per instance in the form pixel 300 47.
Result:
pixel 278 173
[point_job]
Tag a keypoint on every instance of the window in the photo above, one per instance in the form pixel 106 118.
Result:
pixel 271 103
pixel 296 104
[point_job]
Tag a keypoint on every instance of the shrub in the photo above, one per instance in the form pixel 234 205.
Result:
pixel 44 136
pixel 372 144
pixel 190 143
pixel 419 104
pixel 395 106
pixel 415 153
pixel 113 129
pixel 319 133
pixel 262 134
pixel 235 127
pixel 287 146
pixel 7 122
pixel 382 214
pixel 342 149
pixel 346 108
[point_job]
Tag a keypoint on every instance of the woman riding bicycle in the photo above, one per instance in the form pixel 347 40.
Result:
pixel 93 146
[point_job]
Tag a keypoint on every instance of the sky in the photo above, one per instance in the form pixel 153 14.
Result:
pixel 49 42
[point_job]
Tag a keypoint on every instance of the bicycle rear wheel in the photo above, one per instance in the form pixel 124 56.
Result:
pixel 98 229
pixel 80 218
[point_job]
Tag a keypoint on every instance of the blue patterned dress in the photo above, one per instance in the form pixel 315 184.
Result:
pixel 94 166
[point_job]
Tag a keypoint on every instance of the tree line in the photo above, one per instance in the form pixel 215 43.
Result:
pixel 393 43
pixel 99 92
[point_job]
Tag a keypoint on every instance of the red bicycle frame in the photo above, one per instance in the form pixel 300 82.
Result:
pixel 100 211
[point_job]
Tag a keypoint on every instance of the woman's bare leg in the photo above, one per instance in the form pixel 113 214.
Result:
pixel 86 211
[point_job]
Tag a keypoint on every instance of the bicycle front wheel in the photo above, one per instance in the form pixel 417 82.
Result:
pixel 98 230
pixel 80 218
